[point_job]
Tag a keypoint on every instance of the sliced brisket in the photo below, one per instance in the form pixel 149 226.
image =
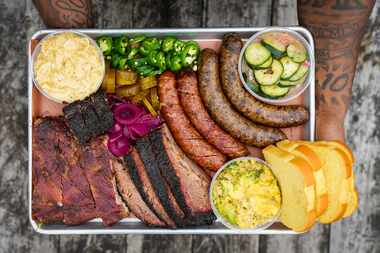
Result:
pixel 188 182
pixel 97 164
pixel 141 179
pixel 89 117
pixel 132 197
pixel 145 149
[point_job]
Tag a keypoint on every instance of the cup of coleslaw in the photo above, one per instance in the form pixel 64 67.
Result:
pixel 67 66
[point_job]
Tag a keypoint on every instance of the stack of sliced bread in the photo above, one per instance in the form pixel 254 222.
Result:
pixel 316 180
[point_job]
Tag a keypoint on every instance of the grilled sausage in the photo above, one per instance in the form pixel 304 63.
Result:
pixel 187 87
pixel 187 137
pixel 249 106
pixel 222 111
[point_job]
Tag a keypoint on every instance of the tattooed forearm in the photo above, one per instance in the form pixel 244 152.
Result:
pixel 337 27
pixel 65 13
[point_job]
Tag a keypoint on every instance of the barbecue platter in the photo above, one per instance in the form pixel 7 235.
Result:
pixel 165 128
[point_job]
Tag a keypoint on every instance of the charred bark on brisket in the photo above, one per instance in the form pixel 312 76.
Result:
pixel 90 117
pixel 199 213
pixel 145 187
pixel 133 199
pixel 144 148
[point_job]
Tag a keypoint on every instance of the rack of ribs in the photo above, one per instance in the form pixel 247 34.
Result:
pixel 98 165
pixel 65 190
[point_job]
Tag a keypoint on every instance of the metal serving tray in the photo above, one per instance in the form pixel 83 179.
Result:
pixel 206 37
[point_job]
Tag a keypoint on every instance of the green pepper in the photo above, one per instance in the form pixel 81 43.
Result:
pixel 121 44
pixel 144 51
pixel 134 42
pixel 136 63
pixel 168 43
pixel 123 63
pixel 161 61
pixel 173 62
pixel 157 59
pixel 178 46
pixel 105 44
pixel 152 58
pixel 189 53
pixel 156 72
pixel 132 53
pixel 145 70
pixel 118 61
pixel 151 43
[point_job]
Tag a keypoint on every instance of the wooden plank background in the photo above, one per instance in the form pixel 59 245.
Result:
pixel 19 20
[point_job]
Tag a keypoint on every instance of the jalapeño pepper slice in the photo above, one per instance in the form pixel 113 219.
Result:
pixel 118 61
pixel 135 63
pixel 145 70
pixel 150 44
pixel 157 59
pixel 161 61
pixel 168 43
pixel 134 42
pixel 189 53
pixel 152 58
pixel 178 46
pixel 105 44
pixel 132 53
pixel 121 44
pixel 174 62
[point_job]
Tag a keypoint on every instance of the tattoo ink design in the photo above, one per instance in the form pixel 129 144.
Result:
pixel 65 13
pixel 337 27
pixel 72 12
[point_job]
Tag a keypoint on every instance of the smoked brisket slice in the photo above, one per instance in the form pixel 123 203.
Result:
pixel 188 182
pixel 132 197
pixel 97 164
pixel 90 117
pixel 145 149
pixel 145 186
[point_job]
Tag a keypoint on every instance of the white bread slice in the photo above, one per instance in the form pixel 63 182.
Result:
pixel 353 196
pixel 337 173
pixel 297 185
pixel 303 151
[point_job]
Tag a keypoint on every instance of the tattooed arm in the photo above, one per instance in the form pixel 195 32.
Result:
pixel 65 13
pixel 338 27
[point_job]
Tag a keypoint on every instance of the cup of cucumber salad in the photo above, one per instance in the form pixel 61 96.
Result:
pixel 275 65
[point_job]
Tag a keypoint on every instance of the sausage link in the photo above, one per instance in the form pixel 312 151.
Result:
pixel 187 87
pixel 184 133
pixel 222 111
pixel 249 106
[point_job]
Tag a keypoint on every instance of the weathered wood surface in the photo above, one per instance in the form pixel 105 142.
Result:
pixel 19 20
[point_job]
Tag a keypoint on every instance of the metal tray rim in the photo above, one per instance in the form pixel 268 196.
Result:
pixel 311 97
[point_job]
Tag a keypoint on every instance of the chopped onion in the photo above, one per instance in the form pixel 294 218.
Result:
pixel 127 113
pixel 119 146
pixel 131 122
pixel 116 131
pixel 139 130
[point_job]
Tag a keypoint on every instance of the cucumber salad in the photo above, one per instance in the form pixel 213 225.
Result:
pixel 275 63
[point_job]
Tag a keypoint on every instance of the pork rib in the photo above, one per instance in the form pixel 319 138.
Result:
pixel 97 163
pixel 47 197
pixel 78 203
